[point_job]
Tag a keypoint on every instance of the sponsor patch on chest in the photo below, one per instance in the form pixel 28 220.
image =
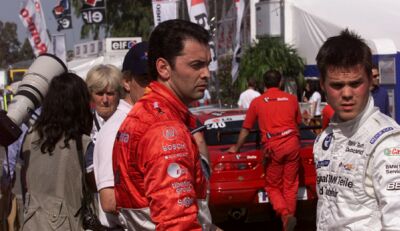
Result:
pixel 323 163
pixel 392 151
pixel 327 142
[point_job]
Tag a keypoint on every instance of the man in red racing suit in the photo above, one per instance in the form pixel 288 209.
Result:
pixel 278 117
pixel 159 183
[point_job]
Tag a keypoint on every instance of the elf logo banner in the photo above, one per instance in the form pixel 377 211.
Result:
pixel 115 45
pixel 93 12
pixel 122 45
pixel 95 16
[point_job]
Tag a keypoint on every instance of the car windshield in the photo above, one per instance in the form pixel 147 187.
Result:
pixel 225 131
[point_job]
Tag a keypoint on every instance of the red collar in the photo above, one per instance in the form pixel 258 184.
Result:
pixel 173 102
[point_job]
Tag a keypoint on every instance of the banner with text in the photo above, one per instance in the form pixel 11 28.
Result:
pixel 93 11
pixel 33 19
pixel 198 14
pixel 236 54
pixel 62 13
pixel 164 10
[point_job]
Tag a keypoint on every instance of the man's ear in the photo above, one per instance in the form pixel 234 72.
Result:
pixel 163 69
pixel 126 84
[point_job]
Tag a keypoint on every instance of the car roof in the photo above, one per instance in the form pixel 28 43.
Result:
pixel 210 112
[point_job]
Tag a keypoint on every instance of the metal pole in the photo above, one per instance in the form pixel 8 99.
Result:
pixel 253 20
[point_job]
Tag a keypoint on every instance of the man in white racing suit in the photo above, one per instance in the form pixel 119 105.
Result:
pixel 358 156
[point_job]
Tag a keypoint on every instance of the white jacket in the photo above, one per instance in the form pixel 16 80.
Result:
pixel 358 173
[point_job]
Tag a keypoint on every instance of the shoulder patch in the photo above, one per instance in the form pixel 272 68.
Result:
pixel 379 134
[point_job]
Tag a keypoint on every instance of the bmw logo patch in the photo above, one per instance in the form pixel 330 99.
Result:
pixel 327 141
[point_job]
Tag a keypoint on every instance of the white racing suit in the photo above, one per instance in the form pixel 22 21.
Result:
pixel 358 173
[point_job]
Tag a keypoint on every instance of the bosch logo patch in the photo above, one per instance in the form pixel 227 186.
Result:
pixel 169 133
pixel 173 147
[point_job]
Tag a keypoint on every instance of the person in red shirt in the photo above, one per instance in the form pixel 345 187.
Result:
pixel 327 114
pixel 278 117
pixel 159 183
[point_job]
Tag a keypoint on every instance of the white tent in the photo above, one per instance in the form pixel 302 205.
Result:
pixel 82 65
pixel 106 51
pixel 308 23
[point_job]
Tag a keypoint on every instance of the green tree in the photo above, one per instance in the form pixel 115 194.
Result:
pixel 272 53
pixel 26 52
pixel 124 18
pixel 268 53
pixel 229 94
pixel 9 44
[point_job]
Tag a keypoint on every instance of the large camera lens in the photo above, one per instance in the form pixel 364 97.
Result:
pixel 30 94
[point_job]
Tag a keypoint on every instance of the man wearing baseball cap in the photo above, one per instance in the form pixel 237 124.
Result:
pixel 134 82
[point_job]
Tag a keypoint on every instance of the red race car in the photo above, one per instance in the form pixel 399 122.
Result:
pixel 237 180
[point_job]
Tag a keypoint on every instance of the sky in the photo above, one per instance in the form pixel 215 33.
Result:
pixel 9 12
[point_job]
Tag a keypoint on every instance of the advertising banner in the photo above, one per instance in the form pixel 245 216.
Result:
pixel 198 14
pixel 164 10
pixel 236 53
pixel 93 11
pixel 33 19
pixel 62 13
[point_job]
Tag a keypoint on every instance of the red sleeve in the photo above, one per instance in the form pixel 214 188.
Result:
pixel 169 162
pixel 251 115
pixel 327 114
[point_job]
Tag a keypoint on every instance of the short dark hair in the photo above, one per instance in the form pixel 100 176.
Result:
pixel 345 50
pixel 167 41
pixel 142 79
pixel 375 66
pixel 251 83
pixel 272 78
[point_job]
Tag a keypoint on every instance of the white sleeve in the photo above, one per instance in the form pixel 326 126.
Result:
pixel 240 101
pixel 102 159
pixel 386 181
pixel 207 95
pixel 315 97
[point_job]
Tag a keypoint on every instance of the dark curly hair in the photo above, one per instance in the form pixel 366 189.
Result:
pixel 65 112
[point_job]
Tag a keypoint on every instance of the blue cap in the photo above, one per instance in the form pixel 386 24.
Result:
pixel 135 60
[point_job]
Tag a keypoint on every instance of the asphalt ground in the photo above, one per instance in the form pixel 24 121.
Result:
pixel 305 214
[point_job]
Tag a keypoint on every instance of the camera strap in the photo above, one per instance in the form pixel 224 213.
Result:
pixel 87 195
pixel 96 122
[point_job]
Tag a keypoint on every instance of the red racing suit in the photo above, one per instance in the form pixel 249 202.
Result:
pixel 278 118
pixel 159 182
